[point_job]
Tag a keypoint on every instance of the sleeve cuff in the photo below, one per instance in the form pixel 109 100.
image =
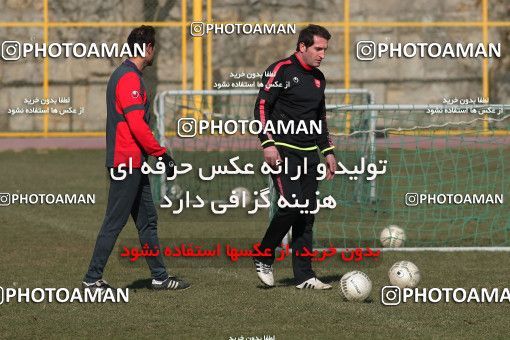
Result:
pixel 160 152
pixel 267 143
pixel 328 151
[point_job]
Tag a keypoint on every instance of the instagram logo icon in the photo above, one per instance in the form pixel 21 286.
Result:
pixel 11 50
pixel 365 50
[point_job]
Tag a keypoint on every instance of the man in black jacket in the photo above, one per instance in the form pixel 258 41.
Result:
pixel 294 91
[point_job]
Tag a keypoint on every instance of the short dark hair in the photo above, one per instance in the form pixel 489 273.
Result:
pixel 307 33
pixel 141 35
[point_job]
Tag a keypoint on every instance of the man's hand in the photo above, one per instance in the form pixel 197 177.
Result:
pixel 169 164
pixel 272 156
pixel 331 166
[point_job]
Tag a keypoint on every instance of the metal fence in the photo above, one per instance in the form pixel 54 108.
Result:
pixel 59 21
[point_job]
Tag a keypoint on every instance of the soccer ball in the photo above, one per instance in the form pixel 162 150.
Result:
pixel 239 193
pixel 404 274
pixel 392 236
pixel 355 286
pixel 175 192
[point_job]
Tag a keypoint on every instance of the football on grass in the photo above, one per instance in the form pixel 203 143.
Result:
pixel 355 286
pixel 392 237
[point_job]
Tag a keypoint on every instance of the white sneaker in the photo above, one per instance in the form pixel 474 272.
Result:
pixel 265 273
pixel 98 285
pixel 171 283
pixel 313 283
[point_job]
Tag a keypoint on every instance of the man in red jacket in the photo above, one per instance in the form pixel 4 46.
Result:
pixel 129 140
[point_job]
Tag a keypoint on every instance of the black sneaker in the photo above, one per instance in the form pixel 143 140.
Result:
pixel 172 283
pixel 99 284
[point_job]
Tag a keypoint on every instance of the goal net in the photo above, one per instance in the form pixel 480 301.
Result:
pixel 445 181
pixel 178 110
pixel 445 174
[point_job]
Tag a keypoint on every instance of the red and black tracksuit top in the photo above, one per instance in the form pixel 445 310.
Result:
pixel 128 134
pixel 303 99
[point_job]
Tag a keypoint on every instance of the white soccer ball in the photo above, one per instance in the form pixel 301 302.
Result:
pixel 404 274
pixel 355 286
pixel 393 236
pixel 239 193
pixel 175 192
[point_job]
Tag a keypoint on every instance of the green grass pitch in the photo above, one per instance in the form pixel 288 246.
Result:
pixel 50 246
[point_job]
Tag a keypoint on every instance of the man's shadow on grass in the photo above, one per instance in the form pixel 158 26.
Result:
pixel 287 282
pixel 140 284
pixel 333 280
pixel 330 279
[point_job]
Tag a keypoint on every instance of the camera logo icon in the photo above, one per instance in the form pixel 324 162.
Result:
pixel 5 199
pixel 411 199
pixel 187 127
pixel 391 295
pixel 197 28
pixel 365 50
pixel 11 50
